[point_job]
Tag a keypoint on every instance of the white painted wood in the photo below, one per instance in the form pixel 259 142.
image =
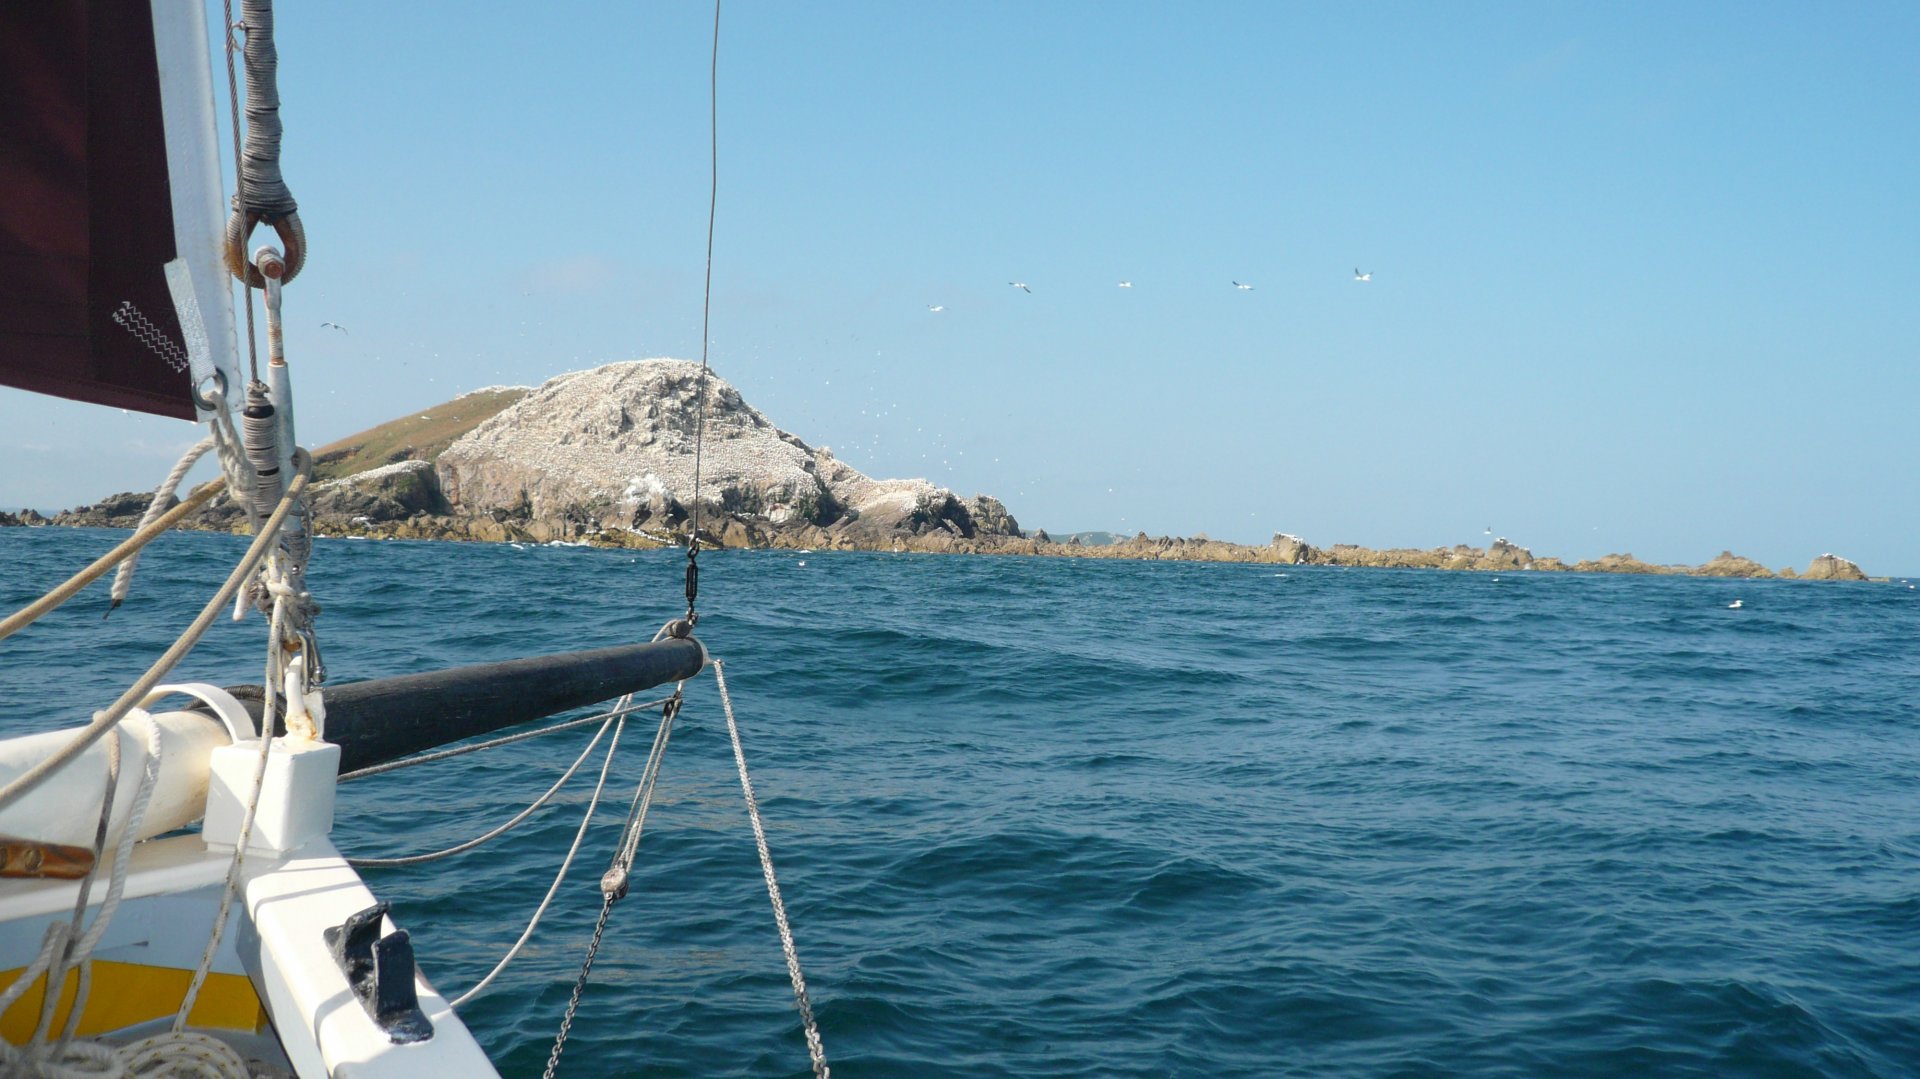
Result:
pixel 322 1026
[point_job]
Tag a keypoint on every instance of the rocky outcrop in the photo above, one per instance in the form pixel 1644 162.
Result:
pixel 392 492
pixel 614 447
pixel 1621 563
pixel 25 518
pixel 1728 564
pixel 1831 567
pixel 114 511
pixel 606 457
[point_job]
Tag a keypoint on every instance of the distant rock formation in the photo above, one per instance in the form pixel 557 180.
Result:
pixel 1831 567
pixel 389 493
pixel 607 456
pixel 614 448
pixel 1728 564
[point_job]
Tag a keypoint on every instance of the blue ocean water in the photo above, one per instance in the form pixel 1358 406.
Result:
pixel 1051 817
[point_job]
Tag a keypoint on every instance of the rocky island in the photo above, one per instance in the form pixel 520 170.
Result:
pixel 607 456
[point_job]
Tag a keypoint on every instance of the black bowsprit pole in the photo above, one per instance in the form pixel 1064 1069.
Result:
pixel 384 719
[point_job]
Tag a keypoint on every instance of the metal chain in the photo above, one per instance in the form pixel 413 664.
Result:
pixel 579 987
pixel 613 885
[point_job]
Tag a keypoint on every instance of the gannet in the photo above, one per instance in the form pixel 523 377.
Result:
pixel 936 308
pixel 1358 276
pixel 1735 605
pixel 1243 288
pixel 1126 284
pixel 1021 285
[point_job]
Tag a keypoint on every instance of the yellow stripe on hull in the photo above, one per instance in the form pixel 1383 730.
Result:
pixel 126 994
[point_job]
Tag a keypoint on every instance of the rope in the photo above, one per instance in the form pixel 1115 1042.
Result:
pixel 103 721
pixel 269 706
pixel 613 884
pixel 266 191
pixel 615 878
pixel 706 308
pixel 32 612
pixel 123 578
pixel 85 1059
pixel 440 755
pixel 419 859
pixel 814 1048
pixel 565 864
pixel 184 1054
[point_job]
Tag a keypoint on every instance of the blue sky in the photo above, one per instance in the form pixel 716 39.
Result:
pixel 1643 274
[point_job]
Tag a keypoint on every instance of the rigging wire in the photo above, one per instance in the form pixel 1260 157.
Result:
pixel 239 178
pixel 706 308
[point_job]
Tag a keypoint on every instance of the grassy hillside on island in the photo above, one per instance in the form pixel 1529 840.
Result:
pixel 416 437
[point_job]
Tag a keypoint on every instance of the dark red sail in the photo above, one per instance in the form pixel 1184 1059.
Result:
pixel 86 210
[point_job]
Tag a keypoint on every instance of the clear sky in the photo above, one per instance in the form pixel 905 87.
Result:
pixel 1643 275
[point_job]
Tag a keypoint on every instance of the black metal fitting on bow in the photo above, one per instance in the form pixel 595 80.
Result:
pixel 380 971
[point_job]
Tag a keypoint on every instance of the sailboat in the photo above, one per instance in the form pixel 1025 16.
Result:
pixel 132 942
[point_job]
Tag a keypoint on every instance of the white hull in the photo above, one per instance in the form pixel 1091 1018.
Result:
pixel 274 983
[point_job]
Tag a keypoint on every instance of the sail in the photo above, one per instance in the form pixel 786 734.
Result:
pixel 112 289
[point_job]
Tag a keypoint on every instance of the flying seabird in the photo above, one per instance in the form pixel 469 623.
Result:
pixel 1358 276
pixel 1126 284
pixel 936 308
pixel 1021 285
pixel 334 325
pixel 1243 288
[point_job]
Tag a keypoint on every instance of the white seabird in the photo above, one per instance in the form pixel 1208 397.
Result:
pixel 1126 284
pixel 1021 285
pixel 936 308
pixel 1735 605
pixel 334 325
pixel 1243 288
pixel 1358 276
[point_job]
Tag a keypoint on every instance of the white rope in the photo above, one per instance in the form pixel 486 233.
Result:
pixel 123 577
pixel 565 864
pixel 82 952
pixel 67 589
pixel 82 1059
pixel 814 1048
pixel 642 799
pixel 440 755
pixel 186 1054
pixel 268 708
pixel 417 859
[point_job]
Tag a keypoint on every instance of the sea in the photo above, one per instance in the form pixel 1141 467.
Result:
pixel 1052 817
